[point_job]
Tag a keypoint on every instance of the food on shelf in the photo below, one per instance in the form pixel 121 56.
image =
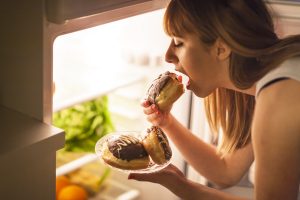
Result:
pixel 61 182
pixel 91 176
pixel 84 124
pixel 165 90
pixel 125 152
pixel 66 190
pixel 157 145
pixel 72 192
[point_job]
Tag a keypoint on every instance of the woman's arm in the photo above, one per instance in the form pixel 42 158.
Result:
pixel 203 157
pixel 173 179
pixel 276 141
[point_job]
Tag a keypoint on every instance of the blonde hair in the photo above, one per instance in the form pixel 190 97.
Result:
pixel 247 28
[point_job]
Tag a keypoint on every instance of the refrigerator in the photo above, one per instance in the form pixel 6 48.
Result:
pixel 62 53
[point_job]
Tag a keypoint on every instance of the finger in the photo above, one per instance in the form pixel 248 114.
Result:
pixel 179 78
pixel 151 109
pixel 145 103
pixel 143 177
pixel 154 118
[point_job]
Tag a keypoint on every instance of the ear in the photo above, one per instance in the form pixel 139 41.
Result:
pixel 222 50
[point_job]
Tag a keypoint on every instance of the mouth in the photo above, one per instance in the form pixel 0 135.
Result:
pixel 184 79
pixel 188 84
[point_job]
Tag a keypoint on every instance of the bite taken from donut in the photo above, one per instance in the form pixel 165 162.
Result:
pixel 165 90
pixel 125 152
pixel 157 145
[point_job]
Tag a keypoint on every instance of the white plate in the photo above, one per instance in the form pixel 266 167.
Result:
pixel 152 167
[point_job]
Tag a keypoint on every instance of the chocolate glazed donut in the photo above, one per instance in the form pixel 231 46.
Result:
pixel 157 145
pixel 125 152
pixel 165 90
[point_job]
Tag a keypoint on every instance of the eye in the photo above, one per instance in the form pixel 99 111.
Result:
pixel 177 43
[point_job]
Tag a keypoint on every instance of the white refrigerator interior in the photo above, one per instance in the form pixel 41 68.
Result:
pixel 119 60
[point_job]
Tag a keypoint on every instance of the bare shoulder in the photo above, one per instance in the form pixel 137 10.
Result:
pixel 280 102
pixel 276 141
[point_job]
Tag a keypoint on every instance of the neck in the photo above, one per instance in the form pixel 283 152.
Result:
pixel 226 83
pixel 250 91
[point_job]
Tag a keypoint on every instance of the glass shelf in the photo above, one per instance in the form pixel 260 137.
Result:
pixel 82 91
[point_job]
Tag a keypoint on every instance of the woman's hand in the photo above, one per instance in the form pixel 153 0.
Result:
pixel 154 115
pixel 163 177
pixel 170 177
pixel 174 180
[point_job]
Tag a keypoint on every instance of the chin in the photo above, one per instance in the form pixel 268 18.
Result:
pixel 201 93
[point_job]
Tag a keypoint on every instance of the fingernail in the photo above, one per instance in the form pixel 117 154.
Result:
pixel 180 78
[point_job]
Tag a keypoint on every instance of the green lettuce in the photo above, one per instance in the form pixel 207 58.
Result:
pixel 84 124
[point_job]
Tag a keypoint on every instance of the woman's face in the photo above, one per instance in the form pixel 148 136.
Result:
pixel 201 64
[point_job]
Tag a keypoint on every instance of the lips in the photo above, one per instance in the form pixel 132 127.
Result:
pixel 179 77
pixel 188 84
pixel 183 78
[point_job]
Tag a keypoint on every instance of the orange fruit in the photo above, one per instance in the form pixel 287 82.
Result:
pixel 72 192
pixel 61 182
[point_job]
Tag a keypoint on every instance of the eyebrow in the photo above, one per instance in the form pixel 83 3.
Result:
pixel 178 37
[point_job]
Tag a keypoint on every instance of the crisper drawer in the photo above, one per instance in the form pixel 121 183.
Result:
pixel 99 181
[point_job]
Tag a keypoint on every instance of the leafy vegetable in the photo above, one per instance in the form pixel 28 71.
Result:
pixel 84 124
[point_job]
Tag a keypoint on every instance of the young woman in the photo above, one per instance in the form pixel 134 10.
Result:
pixel 250 79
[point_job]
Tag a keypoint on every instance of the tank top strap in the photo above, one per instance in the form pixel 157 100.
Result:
pixel 289 69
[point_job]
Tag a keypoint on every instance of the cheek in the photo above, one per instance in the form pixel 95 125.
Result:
pixel 194 66
pixel 193 72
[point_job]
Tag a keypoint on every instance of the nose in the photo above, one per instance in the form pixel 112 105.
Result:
pixel 170 56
